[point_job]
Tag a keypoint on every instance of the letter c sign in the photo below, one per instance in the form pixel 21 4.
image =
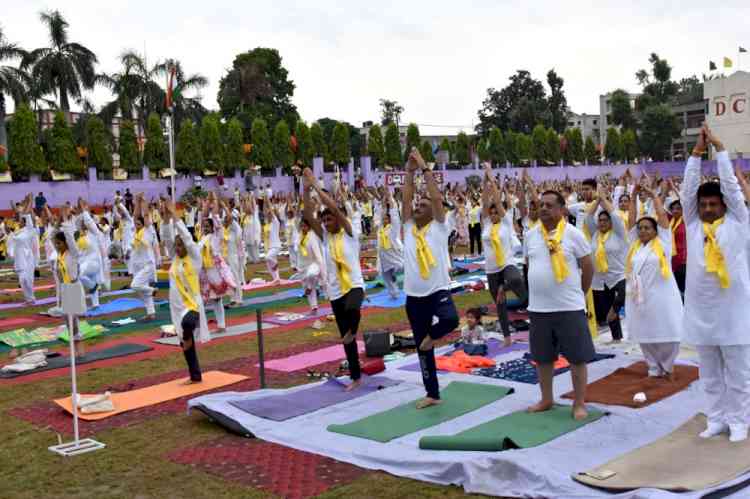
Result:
pixel 739 105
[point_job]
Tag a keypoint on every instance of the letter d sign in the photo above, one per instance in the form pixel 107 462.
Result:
pixel 721 108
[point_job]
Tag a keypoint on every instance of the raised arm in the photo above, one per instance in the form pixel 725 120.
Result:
pixel 309 212
pixel 692 180
pixel 436 197
pixel 730 187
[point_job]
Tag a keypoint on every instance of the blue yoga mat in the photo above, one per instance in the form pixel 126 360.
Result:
pixel 383 299
pixel 118 305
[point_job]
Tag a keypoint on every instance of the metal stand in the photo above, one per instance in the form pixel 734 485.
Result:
pixel 78 446
pixel 261 361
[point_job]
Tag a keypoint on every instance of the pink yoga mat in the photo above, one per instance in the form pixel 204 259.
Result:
pixel 255 287
pixel 309 359
pixel 10 291
pixel 16 321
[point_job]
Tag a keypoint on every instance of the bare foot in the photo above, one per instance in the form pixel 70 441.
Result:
pixel 580 413
pixel 427 344
pixel 191 382
pixel 353 385
pixel 541 406
pixel 427 402
pixel 348 338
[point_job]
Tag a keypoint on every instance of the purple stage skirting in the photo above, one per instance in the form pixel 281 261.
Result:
pixel 298 403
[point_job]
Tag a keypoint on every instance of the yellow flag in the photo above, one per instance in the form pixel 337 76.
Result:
pixel 727 62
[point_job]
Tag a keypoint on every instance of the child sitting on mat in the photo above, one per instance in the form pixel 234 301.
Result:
pixel 473 337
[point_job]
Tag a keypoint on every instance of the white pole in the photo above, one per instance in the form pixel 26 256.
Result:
pixel 170 131
pixel 74 397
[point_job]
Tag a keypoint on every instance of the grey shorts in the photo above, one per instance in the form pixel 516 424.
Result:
pixel 554 333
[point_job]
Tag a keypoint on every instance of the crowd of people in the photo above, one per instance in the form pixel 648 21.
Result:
pixel 576 255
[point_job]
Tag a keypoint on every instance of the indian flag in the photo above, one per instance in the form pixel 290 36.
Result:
pixel 173 91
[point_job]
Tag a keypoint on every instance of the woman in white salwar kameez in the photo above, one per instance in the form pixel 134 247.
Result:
pixel 23 248
pixel 271 239
pixel 67 266
pixel 89 253
pixel 251 230
pixel 313 272
pixel 653 304
pixel 231 251
pixel 390 247
pixel 142 261
pixel 185 301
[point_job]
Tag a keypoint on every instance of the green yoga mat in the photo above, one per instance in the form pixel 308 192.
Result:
pixel 518 430
pixel 458 398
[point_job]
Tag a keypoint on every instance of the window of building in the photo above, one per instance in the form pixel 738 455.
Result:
pixel 595 122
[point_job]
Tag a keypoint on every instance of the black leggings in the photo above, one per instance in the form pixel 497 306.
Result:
pixel 189 323
pixel 475 237
pixel 679 276
pixel 347 312
pixel 508 278
pixel 613 298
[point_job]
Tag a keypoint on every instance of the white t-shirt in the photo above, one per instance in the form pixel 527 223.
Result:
pixel 437 240
pixel 351 256
pixel 545 293
pixel 507 234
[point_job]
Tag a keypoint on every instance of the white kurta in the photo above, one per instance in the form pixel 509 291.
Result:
pixel 507 241
pixel 656 315
pixel 716 316
pixel 616 247
pixel 23 247
pixel 393 258
pixel 177 307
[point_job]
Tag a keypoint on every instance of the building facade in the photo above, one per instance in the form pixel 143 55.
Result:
pixel 588 124
pixel 728 114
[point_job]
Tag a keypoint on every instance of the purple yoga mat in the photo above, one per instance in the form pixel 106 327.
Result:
pixel 309 359
pixel 275 319
pixel 291 405
pixel 494 348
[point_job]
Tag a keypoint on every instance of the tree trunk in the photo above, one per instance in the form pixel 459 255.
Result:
pixel 64 104
pixel 3 134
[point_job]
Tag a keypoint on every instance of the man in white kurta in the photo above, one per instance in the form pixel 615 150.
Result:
pixel 717 294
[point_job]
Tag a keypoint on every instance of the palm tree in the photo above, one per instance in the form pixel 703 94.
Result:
pixel 183 106
pixel 126 86
pixel 13 81
pixel 65 68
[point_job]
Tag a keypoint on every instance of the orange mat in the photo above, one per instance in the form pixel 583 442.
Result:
pixel 144 397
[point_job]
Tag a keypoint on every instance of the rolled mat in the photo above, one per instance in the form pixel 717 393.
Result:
pixel 293 404
pixel 458 398
pixel 309 359
pixel 680 461
pixel 62 362
pixel 518 430
pixel 152 395
pixel 619 387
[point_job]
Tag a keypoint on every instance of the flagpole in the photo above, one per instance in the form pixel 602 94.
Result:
pixel 172 172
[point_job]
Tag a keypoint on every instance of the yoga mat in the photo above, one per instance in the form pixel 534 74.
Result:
pixel 383 299
pixel 619 387
pixel 282 282
pixel 518 430
pixel 458 398
pixel 22 338
pixel 470 267
pixel 306 316
pixel 494 348
pixel 238 330
pixel 87 331
pixel 16 321
pixel 680 461
pixel 298 403
pixel 10 291
pixel 156 394
pixel 52 299
pixel 107 353
pixel 119 305
pixel 523 371
pixel 309 359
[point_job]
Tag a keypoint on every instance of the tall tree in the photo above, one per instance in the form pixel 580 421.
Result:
pixel 412 139
pixel 134 89
pixel 552 148
pixel 211 145
pixel 340 151
pixel 375 147
pixel 445 146
pixel 155 150
pixel 262 153
pixel 463 146
pixel 558 104
pixel 539 144
pixel 483 149
pixel 659 126
pixel 519 106
pixel 497 147
pixel 392 146
pixel 127 147
pixel 590 152
pixel 61 151
pixel 320 145
pixel 234 156
pixel 188 154
pixel 524 148
pixel 98 144
pixel 257 86
pixel 511 147
pixel 390 111
pixel 14 83
pixel 305 149
pixel 282 152
pixel 25 155
pixel 613 150
pixel 426 151
pixel 574 148
pixel 629 145
pixel 64 68
pixel 658 88
pixel 622 113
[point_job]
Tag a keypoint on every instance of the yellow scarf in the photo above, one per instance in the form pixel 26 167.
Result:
pixel 554 245
pixel 425 258
pixel 658 250
pixel 138 241
pixel 303 244
pixel 534 223
pixel 624 216
pixel 207 255
pixel 674 224
pixel 63 268
pixel 497 245
pixel 267 236
pixel 343 272
pixel 602 265
pixel 189 288
pixel 82 243
pixel 715 262
pixel 225 243
pixel 384 237
pixel 586 231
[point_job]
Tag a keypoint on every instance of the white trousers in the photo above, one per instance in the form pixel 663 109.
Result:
pixel 660 357
pixel 238 272
pixel 141 283
pixel 218 308
pixel 253 252
pixel 725 373
pixel 272 263
pixel 26 282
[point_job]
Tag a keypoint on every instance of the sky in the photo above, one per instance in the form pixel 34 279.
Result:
pixel 436 58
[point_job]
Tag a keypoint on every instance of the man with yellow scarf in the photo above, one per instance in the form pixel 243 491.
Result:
pixel 346 287
pixel 716 301
pixel 429 305
pixel 609 244
pixel 498 238
pixel 390 247
pixel 560 271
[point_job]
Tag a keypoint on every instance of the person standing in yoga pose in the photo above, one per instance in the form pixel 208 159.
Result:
pixel 429 305
pixel 390 247
pixel 346 288
pixel 271 238
pixel 23 248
